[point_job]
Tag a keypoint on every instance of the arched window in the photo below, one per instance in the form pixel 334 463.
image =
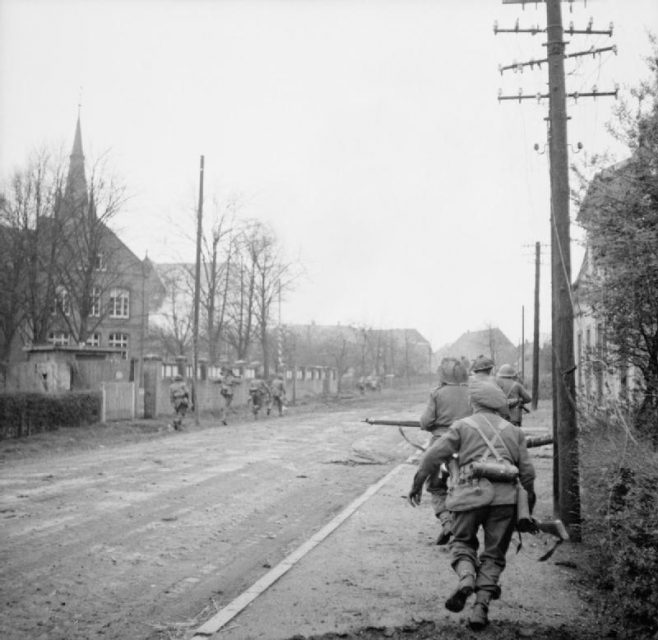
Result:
pixel 119 303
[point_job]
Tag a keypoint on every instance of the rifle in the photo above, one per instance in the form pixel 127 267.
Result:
pixel 553 527
pixel 531 442
pixel 393 423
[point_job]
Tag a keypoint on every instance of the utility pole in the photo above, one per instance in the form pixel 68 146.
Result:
pixel 564 403
pixel 197 295
pixel 535 337
pixel 566 476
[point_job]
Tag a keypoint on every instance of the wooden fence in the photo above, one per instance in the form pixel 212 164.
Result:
pixel 118 401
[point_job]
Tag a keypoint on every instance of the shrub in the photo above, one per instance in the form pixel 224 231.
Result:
pixel 24 413
pixel 620 505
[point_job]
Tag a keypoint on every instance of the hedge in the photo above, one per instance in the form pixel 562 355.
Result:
pixel 25 413
pixel 620 490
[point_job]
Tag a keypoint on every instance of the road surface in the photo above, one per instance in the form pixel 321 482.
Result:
pixel 149 539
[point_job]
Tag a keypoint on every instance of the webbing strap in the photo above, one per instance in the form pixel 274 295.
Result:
pixel 488 442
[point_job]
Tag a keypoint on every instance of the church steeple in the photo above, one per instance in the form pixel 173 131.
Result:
pixel 76 181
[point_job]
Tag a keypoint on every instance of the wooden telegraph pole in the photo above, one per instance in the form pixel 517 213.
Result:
pixel 566 477
pixel 197 295
pixel 564 402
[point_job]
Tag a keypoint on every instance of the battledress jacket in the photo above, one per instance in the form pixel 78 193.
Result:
pixel 447 403
pixel 514 391
pixel 465 441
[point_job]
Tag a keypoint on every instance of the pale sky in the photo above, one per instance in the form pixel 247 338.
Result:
pixel 367 132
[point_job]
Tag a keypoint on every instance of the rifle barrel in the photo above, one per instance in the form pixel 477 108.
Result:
pixel 531 442
pixel 394 423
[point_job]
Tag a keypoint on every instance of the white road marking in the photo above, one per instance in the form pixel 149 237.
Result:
pixel 247 597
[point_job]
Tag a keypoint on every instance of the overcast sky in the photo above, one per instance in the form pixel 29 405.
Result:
pixel 368 133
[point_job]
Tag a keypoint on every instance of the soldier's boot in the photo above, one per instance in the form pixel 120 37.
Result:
pixel 445 517
pixel 479 616
pixel 466 572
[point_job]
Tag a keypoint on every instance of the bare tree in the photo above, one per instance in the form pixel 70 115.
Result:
pixel 272 276
pixel 172 328
pixel 218 251
pixel 339 352
pixel 29 251
pixel 240 309
pixel 89 268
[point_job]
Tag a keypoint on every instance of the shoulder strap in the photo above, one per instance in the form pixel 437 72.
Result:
pixel 488 442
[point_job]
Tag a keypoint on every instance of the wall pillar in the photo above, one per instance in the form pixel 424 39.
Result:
pixel 152 376
pixel 181 366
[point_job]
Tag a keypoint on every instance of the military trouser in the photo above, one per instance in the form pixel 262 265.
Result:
pixel 278 403
pixel 180 409
pixel 498 523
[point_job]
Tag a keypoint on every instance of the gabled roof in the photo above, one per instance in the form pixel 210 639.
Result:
pixel 474 343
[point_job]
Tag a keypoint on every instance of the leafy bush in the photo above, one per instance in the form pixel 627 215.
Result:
pixel 620 505
pixel 24 413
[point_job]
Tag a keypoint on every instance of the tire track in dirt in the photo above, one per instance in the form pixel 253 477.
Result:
pixel 174 526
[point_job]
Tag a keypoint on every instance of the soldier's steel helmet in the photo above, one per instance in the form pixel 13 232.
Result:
pixel 507 371
pixel 482 363
pixel 178 377
pixel 451 371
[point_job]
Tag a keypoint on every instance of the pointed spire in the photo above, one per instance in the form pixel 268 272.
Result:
pixel 76 182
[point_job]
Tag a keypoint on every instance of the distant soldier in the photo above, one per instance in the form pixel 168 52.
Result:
pixel 361 385
pixel 517 396
pixel 447 403
pixel 227 381
pixel 179 396
pixel 259 394
pixel 374 383
pixel 481 373
pixel 278 392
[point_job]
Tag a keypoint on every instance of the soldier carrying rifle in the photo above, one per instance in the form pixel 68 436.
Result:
pixel 447 403
pixel 482 443
pixel 517 396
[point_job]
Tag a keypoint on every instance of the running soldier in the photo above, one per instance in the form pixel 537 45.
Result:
pixel 259 395
pixel 179 396
pixel 447 403
pixel 278 391
pixel 517 396
pixel 227 381
pixel 480 498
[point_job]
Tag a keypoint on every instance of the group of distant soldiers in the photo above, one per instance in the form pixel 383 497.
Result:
pixel 262 395
pixel 368 383
pixel 475 469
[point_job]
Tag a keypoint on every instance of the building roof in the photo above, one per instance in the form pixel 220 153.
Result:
pixel 490 342
pixel 76 192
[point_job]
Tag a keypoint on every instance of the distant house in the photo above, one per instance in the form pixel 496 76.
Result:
pixel 492 343
pixel 595 380
pixel 103 293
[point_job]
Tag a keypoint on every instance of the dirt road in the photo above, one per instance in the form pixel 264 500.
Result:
pixel 146 539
